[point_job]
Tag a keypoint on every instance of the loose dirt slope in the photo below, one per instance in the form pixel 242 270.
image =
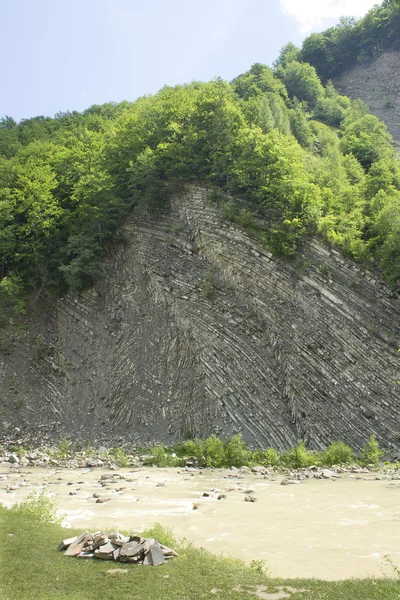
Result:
pixel 378 84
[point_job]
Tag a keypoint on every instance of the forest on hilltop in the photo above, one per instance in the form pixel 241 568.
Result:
pixel 286 156
pixel 353 41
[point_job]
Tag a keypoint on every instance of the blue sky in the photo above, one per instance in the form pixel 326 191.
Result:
pixel 60 56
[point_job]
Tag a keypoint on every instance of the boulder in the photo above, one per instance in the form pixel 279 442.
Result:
pixel 249 498
pixel 106 551
pixel 65 543
pixel 77 546
pixel 155 555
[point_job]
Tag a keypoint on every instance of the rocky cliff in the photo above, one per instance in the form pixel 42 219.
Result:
pixel 378 84
pixel 193 327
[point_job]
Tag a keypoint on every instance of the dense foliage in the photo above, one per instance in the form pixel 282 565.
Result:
pixel 290 156
pixel 352 41
pixel 234 452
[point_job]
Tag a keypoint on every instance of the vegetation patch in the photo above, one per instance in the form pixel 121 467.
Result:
pixel 234 452
pixel 294 157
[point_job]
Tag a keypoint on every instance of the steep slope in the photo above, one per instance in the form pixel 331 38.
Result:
pixel 194 327
pixel 378 84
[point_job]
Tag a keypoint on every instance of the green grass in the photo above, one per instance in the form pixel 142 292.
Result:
pixel 32 569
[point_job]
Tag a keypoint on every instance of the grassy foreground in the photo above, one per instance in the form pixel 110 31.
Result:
pixel 32 569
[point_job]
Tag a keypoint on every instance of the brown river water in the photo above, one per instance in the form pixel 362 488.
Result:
pixel 329 529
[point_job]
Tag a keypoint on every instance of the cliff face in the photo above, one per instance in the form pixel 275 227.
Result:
pixel 194 327
pixel 378 84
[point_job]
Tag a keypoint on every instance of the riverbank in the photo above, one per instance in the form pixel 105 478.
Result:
pixel 210 452
pixel 325 523
pixel 32 569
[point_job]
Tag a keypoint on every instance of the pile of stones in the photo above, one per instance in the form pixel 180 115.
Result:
pixel 117 547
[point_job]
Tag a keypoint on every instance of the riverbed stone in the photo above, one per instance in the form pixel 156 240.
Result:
pixel 168 551
pixel 74 549
pixel 328 474
pixel 155 556
pixel 131 549
pixel 249 498
pixel 106 551
pixel 67 542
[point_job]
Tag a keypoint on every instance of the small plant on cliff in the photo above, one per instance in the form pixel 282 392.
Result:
pixel 63 451
pixel 337 453
pixel 371 454
pixel 207 285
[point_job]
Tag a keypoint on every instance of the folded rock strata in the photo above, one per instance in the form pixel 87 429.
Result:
pixel 194 327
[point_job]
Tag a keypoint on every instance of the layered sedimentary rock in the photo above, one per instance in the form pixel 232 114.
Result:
pixel 193 327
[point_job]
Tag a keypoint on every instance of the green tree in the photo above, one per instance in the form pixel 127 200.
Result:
pixel 368 140
pixel 301 81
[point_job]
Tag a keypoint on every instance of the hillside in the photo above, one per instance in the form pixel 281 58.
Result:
pixel 193 327
pixel 377 83
pixel 219 257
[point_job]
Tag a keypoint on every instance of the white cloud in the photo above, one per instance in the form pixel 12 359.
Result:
pixel 315 15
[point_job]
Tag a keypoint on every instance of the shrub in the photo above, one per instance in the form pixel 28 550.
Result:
pixel 261 566
pixel 271 458
pixel 371 453
pixel 236 452
pixel 162 534
pixel 39 507
pixel 337 453
pixel 193 448
pixel 299 457
pixel 64 449
pixel 121 457
pixel 214 452
pixel 159 457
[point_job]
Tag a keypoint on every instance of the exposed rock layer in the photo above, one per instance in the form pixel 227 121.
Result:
pixel 194 327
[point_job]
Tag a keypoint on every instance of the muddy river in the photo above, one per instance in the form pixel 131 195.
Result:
pixel 329 529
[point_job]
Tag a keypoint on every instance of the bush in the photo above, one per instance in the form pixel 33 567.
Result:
pixel 271 458
pixel 193 448
pixel 299 457
pixel 236 452
pixel 337 453
pixel 214 452
pixel 162 534
pixel 160 458
pixel 63 451
pixel 39 507
pixel 121 458
pixel 371 453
